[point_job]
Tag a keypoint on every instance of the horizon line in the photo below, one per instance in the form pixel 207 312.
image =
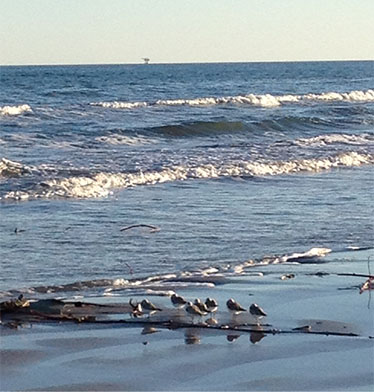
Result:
pixel 182 63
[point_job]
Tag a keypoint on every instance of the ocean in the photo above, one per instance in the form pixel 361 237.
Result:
pixel 225 165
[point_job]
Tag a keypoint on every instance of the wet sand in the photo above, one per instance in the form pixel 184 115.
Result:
pixel 116 357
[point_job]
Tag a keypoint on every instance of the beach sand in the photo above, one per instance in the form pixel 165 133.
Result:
pixel 68 356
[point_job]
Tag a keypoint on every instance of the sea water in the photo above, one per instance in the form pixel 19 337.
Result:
pixel 234 164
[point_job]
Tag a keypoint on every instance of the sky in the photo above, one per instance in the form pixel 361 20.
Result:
pixel 176 31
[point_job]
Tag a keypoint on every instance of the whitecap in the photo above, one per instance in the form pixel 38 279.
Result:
pixel 262 100
pixel 118 139
pixel 336 138
pixel 119 105
pixel 14 110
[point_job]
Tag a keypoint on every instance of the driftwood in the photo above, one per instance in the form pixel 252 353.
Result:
pixel 354 274
pixel 367 285
pixel 173 325
pixel 15 313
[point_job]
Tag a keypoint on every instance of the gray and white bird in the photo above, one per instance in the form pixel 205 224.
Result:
pixel 193 310
pixel 255 310
pixel 234 306
pixel 201 305
pixel 149 306
pixel 211 304
pixel 178 301
pixel 136 308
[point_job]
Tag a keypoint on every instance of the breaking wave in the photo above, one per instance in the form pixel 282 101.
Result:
pixel 14 110
pixel 101 184
pixel 263 100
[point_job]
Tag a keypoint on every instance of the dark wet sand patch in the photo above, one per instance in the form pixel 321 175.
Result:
pixel 79 343
pixel 88 387
pixel 15 357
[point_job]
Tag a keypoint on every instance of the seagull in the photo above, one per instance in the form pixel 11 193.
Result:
pixel 255 310
pixel 149 306
pixel 178 301
pixel 193 310
pixel 201 305
pixel 234 306
pixel 211 304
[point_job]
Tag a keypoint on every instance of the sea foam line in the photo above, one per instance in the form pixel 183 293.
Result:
pixel 263 100
pixel 336 138
pixel 101 184
pixel 118 139
pixel 14 110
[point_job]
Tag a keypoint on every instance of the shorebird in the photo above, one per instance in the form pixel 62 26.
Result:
pixel 211 304
pixel 193 310
pixel 234 306
pixel 201 305
pixel 21 302
pixel 255 310
pixel 178 301
pixel 149 306
pixel 136 308
pixel 211 321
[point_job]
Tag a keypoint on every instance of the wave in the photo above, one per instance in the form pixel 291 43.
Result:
pixel 220 128
pixel 14 110
pixel 166 284
pixel 263 100
pixel 199 128
pixel 102 184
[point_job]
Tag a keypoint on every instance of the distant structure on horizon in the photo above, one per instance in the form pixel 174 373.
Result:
pixel 146 60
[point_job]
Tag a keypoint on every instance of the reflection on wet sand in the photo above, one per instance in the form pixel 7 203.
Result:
pixel 191 336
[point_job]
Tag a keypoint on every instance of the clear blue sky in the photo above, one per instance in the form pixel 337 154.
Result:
pixel 124 31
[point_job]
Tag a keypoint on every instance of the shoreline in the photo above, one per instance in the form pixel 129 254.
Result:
pixel 78 356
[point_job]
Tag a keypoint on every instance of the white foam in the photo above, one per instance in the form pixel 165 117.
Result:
pixel 358 96
pixel 117 139
pixel 119 105
pixel 102 184
pixel 10 168
pixel 120 282
pixel 263 100
pixel 323 140
pixel 14 110
pixel 310 254
pixel 314 255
